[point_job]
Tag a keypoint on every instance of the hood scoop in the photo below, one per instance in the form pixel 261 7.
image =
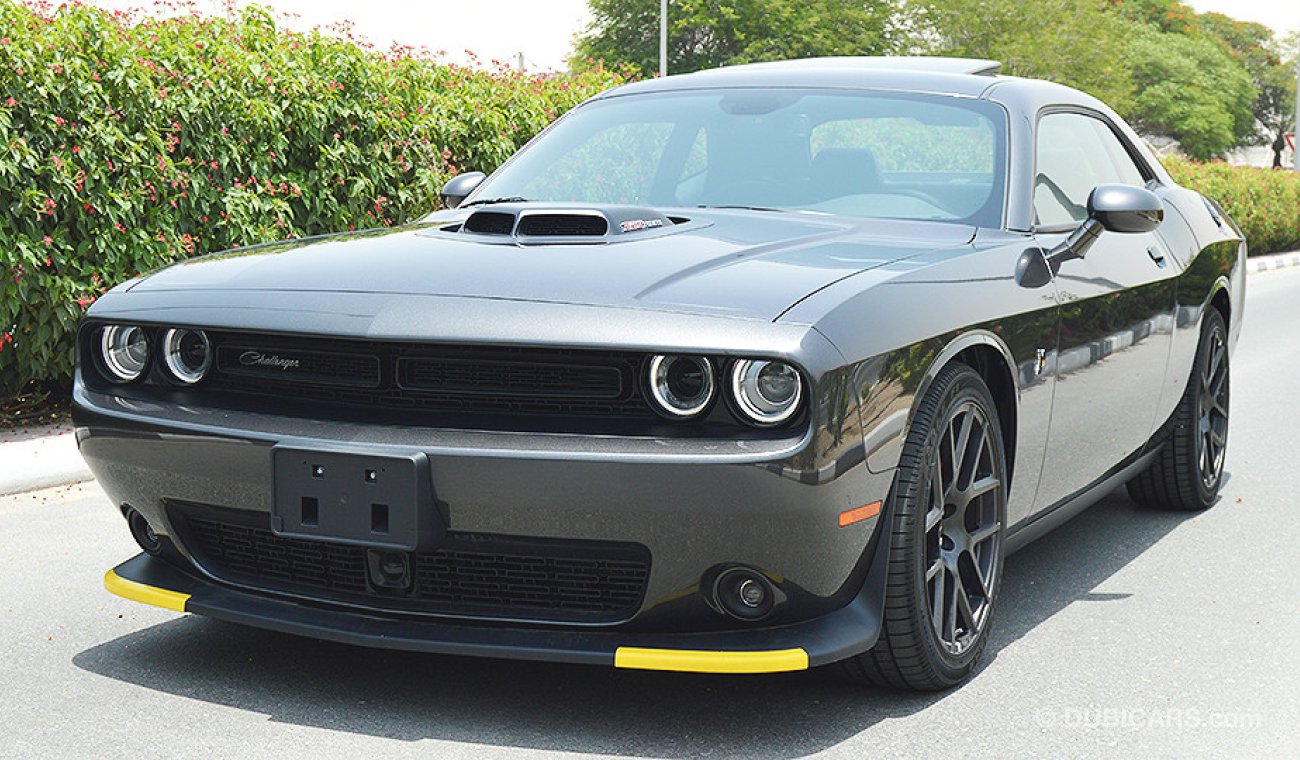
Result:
pixel 527 223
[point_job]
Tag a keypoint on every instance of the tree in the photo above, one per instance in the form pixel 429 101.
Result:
pixel 1191 90
pixel 1081 43
pixel 703 34
pixel 1271 65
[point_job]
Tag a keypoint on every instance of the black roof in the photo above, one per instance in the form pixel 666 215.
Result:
pixel 951 76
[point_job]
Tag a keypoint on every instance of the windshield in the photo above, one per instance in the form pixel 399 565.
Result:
pixel 867 154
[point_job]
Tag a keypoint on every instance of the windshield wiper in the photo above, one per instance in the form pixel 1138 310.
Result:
pixel 490 201
pixel 746 208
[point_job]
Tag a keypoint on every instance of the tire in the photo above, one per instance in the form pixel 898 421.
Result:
pixel 945 525
pixel 1188 471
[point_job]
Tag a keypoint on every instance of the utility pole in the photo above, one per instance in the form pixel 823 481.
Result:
pixel 520 57
pixel 663 39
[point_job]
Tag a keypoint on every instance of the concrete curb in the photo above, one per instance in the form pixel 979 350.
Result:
pixel 36 458
pixel 1272 261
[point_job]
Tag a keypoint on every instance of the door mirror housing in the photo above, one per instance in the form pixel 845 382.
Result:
pixel 1113 208
pixel 1125 208
pixel 459 187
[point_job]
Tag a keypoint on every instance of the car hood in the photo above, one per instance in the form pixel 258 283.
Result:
pixel 750 264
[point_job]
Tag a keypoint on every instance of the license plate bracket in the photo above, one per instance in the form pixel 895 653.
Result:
pixel 376 500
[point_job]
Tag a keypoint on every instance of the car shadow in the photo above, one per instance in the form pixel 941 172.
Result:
pixel 408 697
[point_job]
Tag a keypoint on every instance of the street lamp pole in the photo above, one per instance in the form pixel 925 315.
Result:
pixel 663 38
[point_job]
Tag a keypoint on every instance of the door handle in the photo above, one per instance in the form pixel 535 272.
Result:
pixel 1156 256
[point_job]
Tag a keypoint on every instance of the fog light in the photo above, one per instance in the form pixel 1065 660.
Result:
pixel 751 593
pixel 743 593
pixel 143 532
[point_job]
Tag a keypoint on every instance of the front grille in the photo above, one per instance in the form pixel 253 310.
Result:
pixel 321 367
pixel 498 378
pixel 471 575
pixel 454 386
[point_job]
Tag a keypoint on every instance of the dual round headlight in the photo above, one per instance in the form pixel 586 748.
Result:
pixel 124 352
pixel 187 354
pixel 766 392
pixel 762 392
pixel 682 386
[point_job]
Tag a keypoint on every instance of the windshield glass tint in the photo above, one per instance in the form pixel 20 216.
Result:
pixel 853 153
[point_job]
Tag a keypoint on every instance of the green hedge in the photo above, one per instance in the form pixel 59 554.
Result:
pixel 1265 203
pixel 129 145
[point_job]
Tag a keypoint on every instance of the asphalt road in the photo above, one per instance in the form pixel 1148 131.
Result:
pixel 1124 633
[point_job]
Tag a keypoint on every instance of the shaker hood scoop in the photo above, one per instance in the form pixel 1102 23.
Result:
pixel 748 264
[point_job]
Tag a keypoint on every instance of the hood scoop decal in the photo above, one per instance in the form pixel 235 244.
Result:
pixel 531 223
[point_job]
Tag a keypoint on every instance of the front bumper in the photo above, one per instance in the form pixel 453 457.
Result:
pixel 695 506
pixel 847 631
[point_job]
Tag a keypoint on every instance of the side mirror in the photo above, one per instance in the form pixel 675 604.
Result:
pixel 459 187
pixel 1125 208
pixel 1113 208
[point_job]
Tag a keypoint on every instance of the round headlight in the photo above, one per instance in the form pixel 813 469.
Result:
pixel 766 392
pixel 188 354
pixel 682 386
pixel 125 351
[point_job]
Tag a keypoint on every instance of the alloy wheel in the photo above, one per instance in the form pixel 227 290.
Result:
pixel 963 528
pixel 1212 411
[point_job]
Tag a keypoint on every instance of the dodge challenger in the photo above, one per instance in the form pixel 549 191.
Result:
pixel 748 370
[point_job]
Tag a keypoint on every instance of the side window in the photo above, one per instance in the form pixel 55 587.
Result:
pixel 1075 154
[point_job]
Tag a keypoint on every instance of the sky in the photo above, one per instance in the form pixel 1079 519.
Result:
pixel 1282 15
pixel 543 30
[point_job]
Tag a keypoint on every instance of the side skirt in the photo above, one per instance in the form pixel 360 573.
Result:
pixel 1052 517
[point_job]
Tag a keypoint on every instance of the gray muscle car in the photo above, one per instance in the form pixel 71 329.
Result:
pixel 749 370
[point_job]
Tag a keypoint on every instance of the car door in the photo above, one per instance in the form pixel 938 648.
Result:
pixel 1116 308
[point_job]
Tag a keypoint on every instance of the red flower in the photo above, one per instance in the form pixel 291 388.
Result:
pixel 59 120
pixel 11 102
pixel 49 241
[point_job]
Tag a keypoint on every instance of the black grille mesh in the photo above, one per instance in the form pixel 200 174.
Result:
pixel 249 553
pixel 566 386
pixel 562 225
pixel 490 223
pixel 473 575
pixel 489 378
